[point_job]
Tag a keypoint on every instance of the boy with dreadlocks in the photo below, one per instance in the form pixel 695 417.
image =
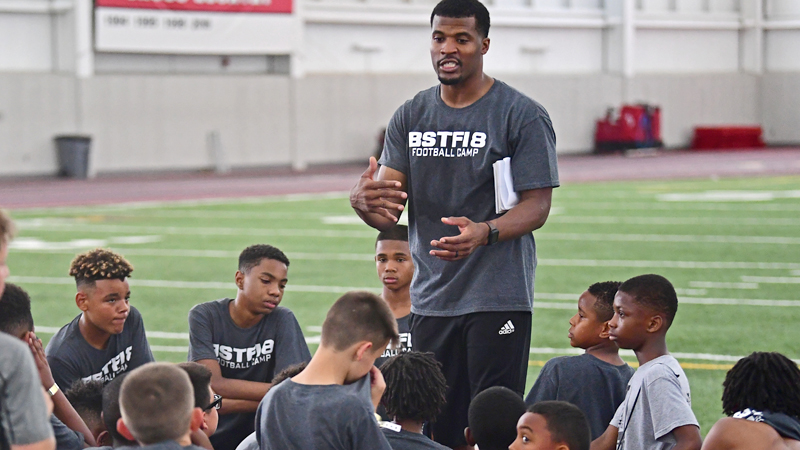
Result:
pixel 414 394
pixel 657 410
pixel 107 338
pixel 595 381
pixel 761 396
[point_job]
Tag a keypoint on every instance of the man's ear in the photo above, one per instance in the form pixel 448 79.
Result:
pixel 655 324
pixel 198 419
pixel 239 280
pixel 605 330
pixel 124 431
pixel 468 436
pixel 82 300
pixel 484 45
pixel 104 439
pixel 363 347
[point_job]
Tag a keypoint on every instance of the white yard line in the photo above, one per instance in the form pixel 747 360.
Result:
pixel 722 285
pixel 773 280
pixel 727 221
pixel 644 206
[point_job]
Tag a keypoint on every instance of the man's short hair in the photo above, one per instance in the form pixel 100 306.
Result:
pixel 359 316
pixel 99 264
pixel 654 292
pixel 458 9
pixel 396 233
pixel 156 401
pixel 6 229
pixel 566 423
pixel 493 415
pixel 252 256
pixel 15 310
pixel 87 399
pixel 111 412
pixel 289 372
pixel 762 381
pixel 604 292
pixel 200 377
pixel 415 386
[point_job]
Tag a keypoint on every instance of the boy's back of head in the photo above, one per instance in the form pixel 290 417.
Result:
pixel 99 264
pixel 200 377
pixel 654 292
pixel 15 311
pixel 357 317
pixel 762 381
pixel 566 423
pixel 289 372
pixel 415 387
pixel 604 293
pixel 87 399
pixel 111 411
pixel 156 401
pixel 493 416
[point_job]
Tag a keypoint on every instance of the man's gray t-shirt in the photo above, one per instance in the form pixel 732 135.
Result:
pixel 71 358
pixel 253 354
pixel 664 403
pixel 401 439
pixel 447 156
pixel 23 412
pixel 319 417
pixel 596 387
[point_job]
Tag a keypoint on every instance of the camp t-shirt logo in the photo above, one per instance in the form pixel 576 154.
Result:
pixel 244 358
pixel 115 366
pixel 405 346
pixel 446 144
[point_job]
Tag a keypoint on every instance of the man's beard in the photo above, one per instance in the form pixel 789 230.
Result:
pixel 450 81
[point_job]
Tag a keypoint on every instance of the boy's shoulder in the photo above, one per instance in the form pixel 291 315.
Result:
pixel 582 362
pixel 663 367
pixel 65 336
pixel 211 308
pixel 401 439
pixel 167 445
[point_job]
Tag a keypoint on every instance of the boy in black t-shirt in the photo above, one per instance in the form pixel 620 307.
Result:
pixel 395 270
pixel 107 338
pixel 415 388
pixel 330 405
pixel 245 341
pixel 157 406
pixel 595 381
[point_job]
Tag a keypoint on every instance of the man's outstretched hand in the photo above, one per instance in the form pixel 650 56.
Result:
pixel 452 248
pixel 369 196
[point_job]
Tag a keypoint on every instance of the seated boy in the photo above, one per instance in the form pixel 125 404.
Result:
pixel 87 399
pixel 761 397
pixel 415 389
pixel 331 403
pixel 595 381
pixel 492 418
pixel 657 410
pixel 16 319
pixel 204 398
pixel 395 270
pixel 107 338
pixel 553 425
pixel 244 342
pixel 157 405
pixel 112 438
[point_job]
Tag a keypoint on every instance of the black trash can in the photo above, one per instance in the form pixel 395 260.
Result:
pixel 72 152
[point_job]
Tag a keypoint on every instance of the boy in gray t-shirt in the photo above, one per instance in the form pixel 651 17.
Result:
pixel 657 410
pixel 330 405
pixel 595 381
pixel 245 341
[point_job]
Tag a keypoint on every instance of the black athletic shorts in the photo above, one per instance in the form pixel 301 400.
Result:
pixel 477 351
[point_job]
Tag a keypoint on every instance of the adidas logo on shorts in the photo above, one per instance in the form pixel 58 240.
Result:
pixel 508 328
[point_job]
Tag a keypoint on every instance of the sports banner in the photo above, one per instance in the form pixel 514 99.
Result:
pixel 211 27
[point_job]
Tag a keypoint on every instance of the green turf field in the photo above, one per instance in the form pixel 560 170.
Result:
pixel 730 247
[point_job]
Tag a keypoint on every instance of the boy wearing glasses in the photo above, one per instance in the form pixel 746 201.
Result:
pixel 205 399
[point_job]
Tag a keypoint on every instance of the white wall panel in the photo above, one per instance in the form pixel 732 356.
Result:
pixel 780 103
pixel 686 51
pixel 25 43
pixel 782 50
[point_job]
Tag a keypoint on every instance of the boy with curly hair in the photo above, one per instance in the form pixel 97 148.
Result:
pixel 107 338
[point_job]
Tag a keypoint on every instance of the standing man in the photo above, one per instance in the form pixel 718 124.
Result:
pixel 472 293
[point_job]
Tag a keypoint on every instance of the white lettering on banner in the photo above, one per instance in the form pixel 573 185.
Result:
pixel 115 366
pixel 446 144
pixel 405 346
pixel 244 358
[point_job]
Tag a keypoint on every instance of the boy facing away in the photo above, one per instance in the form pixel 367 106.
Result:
pixel 415 389
pixel 245 341
pixel 595 381
pixel 493 416
pixel 107 338
pixel 657 410
pixel 157 406
pixel 552 425
pixel 395 270
pixel 331 403
pixel 762 401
